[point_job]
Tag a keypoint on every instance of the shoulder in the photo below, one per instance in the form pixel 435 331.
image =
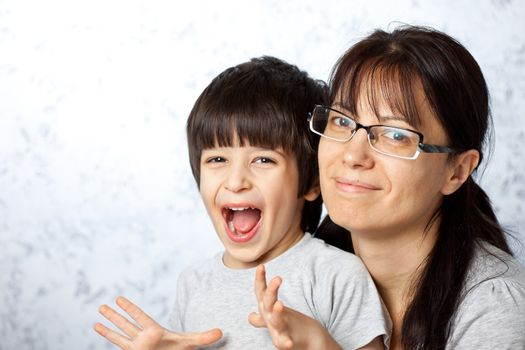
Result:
pixel 491 313
pixel 492 268
pixel 345 296
pixel 320 265
pixel 332 261
pixel 198 277
pixel 335 271
pixel 200 269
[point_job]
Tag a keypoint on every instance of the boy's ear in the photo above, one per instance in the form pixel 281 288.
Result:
pixel 313 193
pixel 460 169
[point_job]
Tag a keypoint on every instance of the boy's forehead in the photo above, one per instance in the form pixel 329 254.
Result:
pixel 252 147
pixel 235 141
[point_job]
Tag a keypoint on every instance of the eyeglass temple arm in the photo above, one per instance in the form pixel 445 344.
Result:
pixel 436 149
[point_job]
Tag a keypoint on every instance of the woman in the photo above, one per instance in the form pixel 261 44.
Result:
pixel 402 195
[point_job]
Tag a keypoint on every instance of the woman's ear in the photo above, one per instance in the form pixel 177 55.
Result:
pixel 313 193
pixel 461 167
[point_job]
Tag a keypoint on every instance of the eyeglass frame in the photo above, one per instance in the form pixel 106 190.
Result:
pixel 421 147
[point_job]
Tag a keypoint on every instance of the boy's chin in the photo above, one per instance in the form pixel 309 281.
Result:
pixel 241 261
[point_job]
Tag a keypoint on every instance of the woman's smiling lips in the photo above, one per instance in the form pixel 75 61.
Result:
pixel 354 186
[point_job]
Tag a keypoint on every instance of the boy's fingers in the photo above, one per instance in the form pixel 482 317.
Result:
pixel 271 295
pixel 260 282
pixel 278 308
pixel 210 336
pixel 278 322
pixel 204 338
pixel 136 313
pixel 256 320
pixel 118 320
pixel 278 316
pixel 117 339
pixel 287 344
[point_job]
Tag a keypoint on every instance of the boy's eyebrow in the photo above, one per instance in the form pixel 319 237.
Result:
pixel 211 149
pixel 280 151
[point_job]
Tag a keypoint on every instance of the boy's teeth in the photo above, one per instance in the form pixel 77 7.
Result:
pixel 230 218
pixel 231 227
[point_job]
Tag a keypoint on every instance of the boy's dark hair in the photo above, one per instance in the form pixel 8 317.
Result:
pixel 265 103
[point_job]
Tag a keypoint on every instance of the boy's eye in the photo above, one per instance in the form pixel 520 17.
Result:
pixel 216 160
pixel 264 160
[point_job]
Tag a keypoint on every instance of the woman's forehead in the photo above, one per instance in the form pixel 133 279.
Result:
pixel 406 102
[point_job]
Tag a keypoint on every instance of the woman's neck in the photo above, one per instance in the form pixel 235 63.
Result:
pixel 394 261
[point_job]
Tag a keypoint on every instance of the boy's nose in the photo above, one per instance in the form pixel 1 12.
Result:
pixel 237 180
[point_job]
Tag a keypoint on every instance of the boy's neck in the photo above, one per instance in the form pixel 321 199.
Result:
pixel 288 241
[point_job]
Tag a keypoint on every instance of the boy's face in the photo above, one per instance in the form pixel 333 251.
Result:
pixel 250 194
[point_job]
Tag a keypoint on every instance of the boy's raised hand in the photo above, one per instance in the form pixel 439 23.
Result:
pixel 288 328
pixel 272 313
pixel 147 334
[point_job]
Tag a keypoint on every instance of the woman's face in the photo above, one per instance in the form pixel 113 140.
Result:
pixel 375 194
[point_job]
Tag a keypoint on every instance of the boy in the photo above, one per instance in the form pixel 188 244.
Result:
pixel 254 160
pixel 255 164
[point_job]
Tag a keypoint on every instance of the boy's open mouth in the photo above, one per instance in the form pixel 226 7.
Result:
pixel 241 222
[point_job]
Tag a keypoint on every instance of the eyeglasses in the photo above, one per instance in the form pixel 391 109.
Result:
pixel 388 140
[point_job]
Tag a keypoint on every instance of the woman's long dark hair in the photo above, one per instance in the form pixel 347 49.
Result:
pixel 388 67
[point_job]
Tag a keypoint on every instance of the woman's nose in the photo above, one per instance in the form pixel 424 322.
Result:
pixel 357 152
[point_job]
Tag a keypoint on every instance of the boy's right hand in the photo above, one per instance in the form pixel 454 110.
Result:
pixel 147 334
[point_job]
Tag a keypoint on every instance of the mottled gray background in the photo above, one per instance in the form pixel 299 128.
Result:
pixel 96 195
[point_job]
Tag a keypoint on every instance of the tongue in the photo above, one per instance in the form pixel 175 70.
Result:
pixel 245 220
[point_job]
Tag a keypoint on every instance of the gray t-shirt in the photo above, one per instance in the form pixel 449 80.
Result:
pixel 492 313
pixel 321 281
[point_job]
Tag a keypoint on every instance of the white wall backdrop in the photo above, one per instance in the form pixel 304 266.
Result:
pixel 96 194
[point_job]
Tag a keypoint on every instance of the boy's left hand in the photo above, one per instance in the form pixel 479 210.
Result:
pixel 288 328
pixel 271 311
pixel 147 334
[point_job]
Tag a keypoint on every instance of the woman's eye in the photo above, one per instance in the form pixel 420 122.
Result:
pixel 341 121
pixel 396 135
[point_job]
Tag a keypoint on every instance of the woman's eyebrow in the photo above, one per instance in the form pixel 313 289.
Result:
pixel 382 118
pixel 396 118
pixel 340 105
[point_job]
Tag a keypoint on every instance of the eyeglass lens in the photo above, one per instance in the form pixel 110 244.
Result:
pixel 389 140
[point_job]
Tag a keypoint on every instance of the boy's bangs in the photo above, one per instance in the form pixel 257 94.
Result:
pixel 261 126
pixel 377 83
